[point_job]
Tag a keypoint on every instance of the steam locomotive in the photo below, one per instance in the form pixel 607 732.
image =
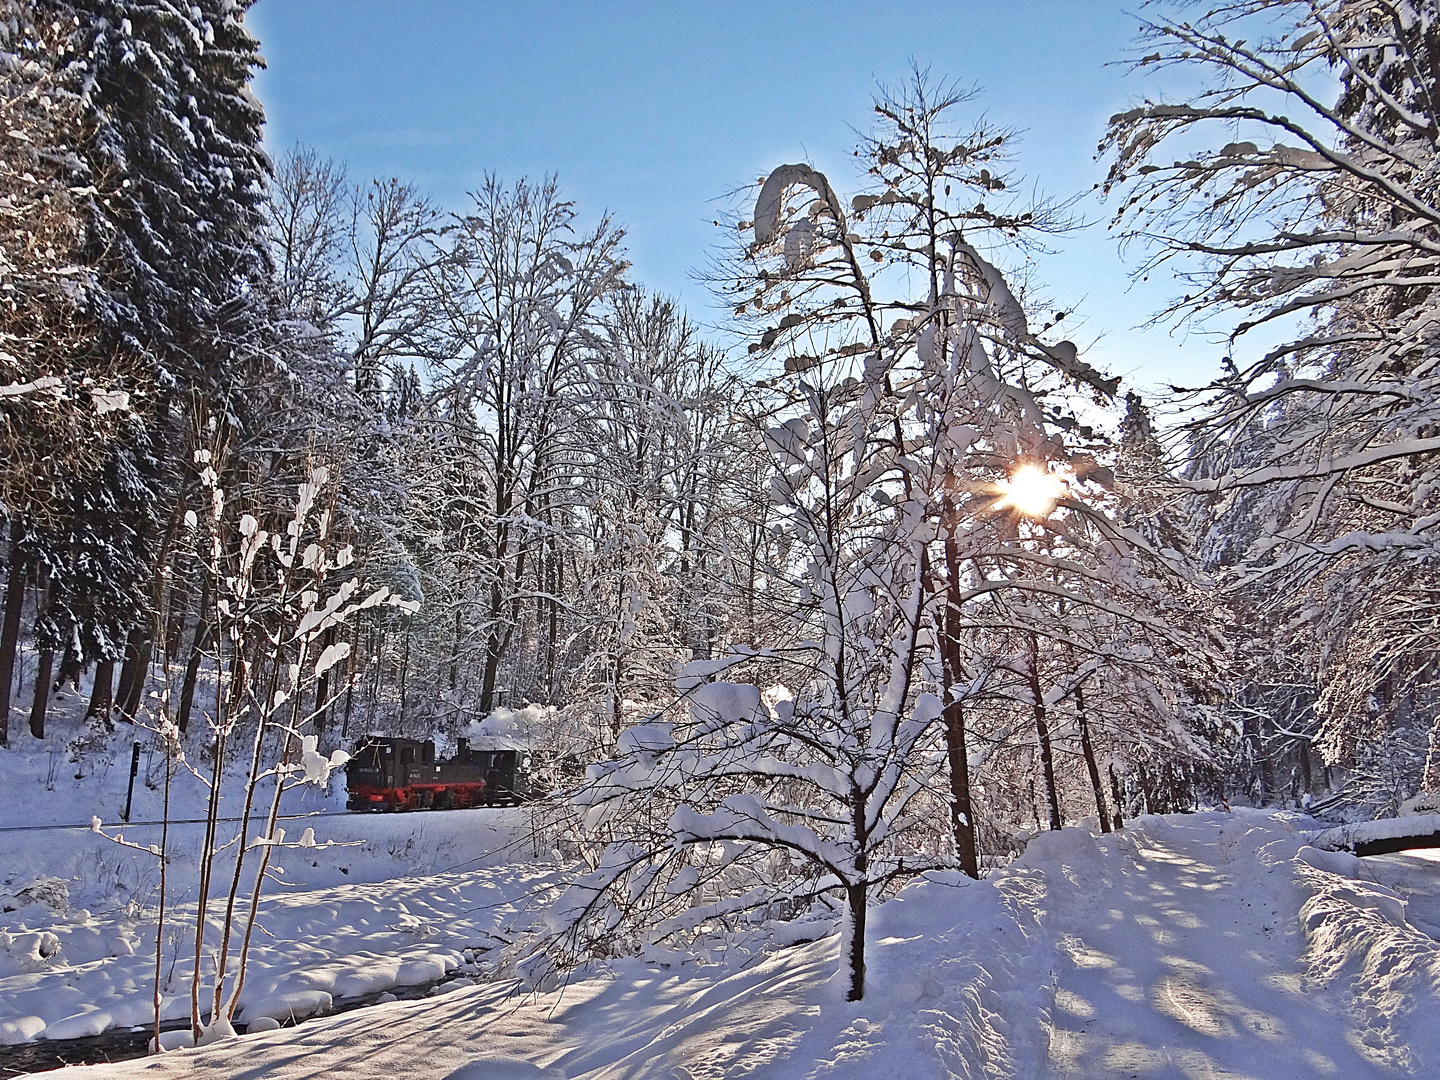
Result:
pixel 404 774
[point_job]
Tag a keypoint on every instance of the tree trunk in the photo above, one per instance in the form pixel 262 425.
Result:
pixel 1145 792
pixel 177 610
pixel 1306 773
pixel 1259 773
pixel 128 670
pixel 134 692
pixel 41 700
pixel 349 704
pixel 352 667
pixel 493 648
pixel 962 817
pixel 1042 729
pixel 455 652
pixel 752 568
pixel 45 668
pixel 239 671
pixel 856 898
pixel 962 820
pixel 616 719
pixel 198 644
pixel 404 678
pixel 378 651
pixel 102 697
pixel 322 687
pixel 1047 765
pixel 1119 797
pixel 70 668
pixel 552 646
pixel 192 675
pixel 10 627
pixel 1089 750
pixel 1267 769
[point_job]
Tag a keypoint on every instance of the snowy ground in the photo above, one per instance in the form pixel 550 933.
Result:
pixel 1210 945
pixel 405 899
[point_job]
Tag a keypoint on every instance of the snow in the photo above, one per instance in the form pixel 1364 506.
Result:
pixel 510 729
pixel 504 1068
pixel 290 1005
pixel 1345 837
pixel 397 900
pixel 769 202
pixel 1212 944
pixel 320 944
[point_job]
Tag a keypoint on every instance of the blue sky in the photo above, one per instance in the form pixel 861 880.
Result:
pixel 653 111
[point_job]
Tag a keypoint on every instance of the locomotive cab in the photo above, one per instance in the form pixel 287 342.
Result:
pixel 498 767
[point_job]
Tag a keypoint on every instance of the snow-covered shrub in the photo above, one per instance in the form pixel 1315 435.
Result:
pixel 275 606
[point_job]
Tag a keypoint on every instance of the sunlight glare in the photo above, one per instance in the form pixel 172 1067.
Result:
pixel 1032 491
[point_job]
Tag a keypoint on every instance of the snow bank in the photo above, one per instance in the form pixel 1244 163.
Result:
pixel 319 945
pixel 414 897
pixel 292 1005
pixel 1199 945
pixel 1346 837
pixel 504 1068
pixel 1360 939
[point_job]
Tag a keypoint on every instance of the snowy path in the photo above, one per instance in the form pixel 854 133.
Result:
pixel 1190 966
pixel 1178 950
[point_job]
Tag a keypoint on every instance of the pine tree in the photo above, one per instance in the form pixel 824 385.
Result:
pixel 166 88
pixel 173 217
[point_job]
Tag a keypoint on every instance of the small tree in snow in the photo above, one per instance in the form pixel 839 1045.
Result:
pixel 273 608
pixel 827 775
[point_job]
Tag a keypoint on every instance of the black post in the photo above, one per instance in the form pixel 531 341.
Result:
pixel 130 791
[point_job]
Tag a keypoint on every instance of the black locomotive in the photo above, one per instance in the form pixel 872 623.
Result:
pixel 404 774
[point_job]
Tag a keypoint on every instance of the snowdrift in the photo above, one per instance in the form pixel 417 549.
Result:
pixel 1208 944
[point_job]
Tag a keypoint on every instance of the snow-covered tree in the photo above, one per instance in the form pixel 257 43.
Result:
pixel 1296 213
pixel 67 395
pixel 523 294
pixel 929 510
pixel 828 772
pixel 166 87
pixel 59 386
pixel 663 420
pixel 163 168
pixel 309 237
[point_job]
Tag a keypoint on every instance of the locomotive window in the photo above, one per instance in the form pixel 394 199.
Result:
pixel 427 753
pixel 407 755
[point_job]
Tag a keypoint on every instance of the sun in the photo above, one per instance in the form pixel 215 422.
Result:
pixel 1032 491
